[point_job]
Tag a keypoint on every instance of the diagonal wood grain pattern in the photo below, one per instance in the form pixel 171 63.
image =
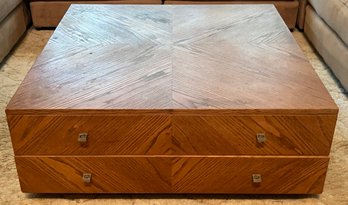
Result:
pixel 172 57
pixel 52 135
pixel 285 135
pixel 280 175
pixel 109 174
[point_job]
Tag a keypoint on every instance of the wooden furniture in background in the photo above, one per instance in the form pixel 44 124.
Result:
pixel 172 99
pixel 288 9
pixel 48 13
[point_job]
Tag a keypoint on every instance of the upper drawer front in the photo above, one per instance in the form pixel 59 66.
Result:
pixel 46 135
pixel 274 135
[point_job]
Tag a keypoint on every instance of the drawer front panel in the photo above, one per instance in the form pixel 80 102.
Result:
pixel 108 174
pixel 56 135
pixel 225 174
pixel 253 135
pixel 249 175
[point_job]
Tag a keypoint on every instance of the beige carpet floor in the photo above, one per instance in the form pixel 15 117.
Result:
pixel 13 70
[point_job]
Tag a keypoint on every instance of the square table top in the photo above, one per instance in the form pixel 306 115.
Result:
pixel 163 58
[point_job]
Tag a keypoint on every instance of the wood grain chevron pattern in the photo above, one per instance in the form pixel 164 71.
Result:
pixel 177 135
pixel 233 57
pixel 122 174
pixel 52 135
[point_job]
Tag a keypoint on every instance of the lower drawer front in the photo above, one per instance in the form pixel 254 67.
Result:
pixel 108 174
pixel 156 174
pixel 235 175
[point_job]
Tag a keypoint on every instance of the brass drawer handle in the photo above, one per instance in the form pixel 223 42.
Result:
pixel 87 177
pixel 261 137
pixel 83 138
pixel 256 178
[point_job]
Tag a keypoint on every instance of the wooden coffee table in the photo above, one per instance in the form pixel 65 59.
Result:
pixel 172 99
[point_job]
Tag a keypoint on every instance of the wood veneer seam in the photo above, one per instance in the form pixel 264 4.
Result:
pixel 173 112
pixel 179 156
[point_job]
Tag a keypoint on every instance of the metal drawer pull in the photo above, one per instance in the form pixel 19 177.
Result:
pixel 261 137
pixel 256 178
pixel 87 177
pixel 83 137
